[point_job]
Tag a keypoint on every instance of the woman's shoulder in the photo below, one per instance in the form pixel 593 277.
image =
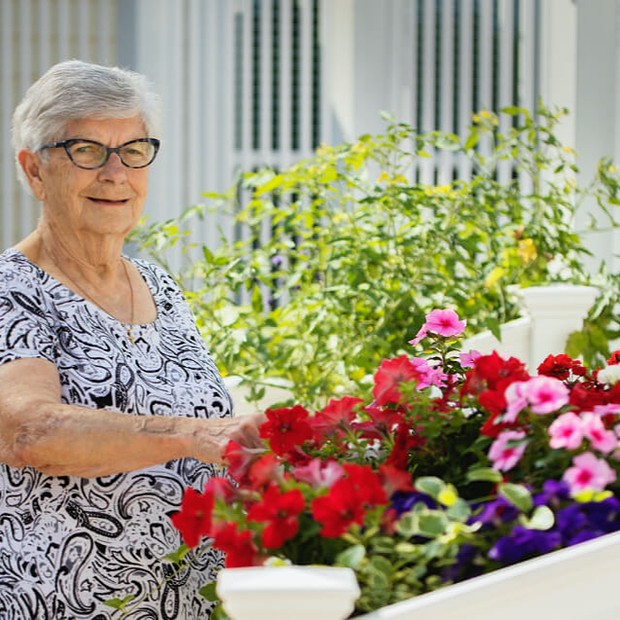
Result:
pixel 153 271
pixel 18 271
pixel 162 285
pixel 25 289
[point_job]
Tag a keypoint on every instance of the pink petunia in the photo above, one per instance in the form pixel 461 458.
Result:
pixel 601 438
pixel 319 474
pixel 609 409
pixel 588 473
pixel 566 431
pixel 516 400
pixel 445 323
pixel 422 332
pixel 542 394
pixel 468 360
pixel 546 394
pixel 506 451
pixel 428 375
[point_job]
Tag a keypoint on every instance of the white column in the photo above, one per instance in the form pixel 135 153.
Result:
pixel 597 110
pixel 556 311
pixel 558 61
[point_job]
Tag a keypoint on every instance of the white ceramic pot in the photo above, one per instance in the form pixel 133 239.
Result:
pixel 288 592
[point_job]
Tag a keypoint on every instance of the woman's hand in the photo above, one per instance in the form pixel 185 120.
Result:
pixel 213 436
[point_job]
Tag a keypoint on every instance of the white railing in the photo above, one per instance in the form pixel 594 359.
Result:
pixel 549 315
pixel 577 583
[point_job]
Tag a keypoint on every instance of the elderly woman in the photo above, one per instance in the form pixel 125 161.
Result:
pixel 110 404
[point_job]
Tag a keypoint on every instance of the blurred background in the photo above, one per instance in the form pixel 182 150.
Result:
pixel 246 83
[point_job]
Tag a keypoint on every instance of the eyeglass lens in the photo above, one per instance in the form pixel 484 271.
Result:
pixel 87 154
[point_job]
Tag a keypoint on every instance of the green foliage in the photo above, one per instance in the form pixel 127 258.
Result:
pixel 338 256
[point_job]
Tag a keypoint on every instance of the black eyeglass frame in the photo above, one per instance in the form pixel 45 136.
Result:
pixel 67 144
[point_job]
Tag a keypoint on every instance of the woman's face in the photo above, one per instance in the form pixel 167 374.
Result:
pixel 106 201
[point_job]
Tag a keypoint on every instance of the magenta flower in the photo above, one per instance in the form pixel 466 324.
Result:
pixel 588 473
pixel 601 438
pixel 419 336
pixel 468 360
pixel 516 400
pixel 609 409
pixel 566 431
pixel 506 451
pixel 541 393
pixel 318 473
pixel 546 394
pixel 445 323
pixel 428 375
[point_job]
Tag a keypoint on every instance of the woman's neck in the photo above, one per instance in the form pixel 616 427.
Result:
pixel 90 257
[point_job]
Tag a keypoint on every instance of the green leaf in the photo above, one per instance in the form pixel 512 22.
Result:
pixel 430 485
pixel 459 511
pixel 518 495
pixel 433 524
pixel 351 557
pixel 120 603
pixel 208 591
pixel 472 139
pixel 542 519
pixel 484 474
pixel 178 555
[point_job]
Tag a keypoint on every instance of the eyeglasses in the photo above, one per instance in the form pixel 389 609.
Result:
pixel 90 155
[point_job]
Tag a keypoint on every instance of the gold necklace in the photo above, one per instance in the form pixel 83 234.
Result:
pixel 127 326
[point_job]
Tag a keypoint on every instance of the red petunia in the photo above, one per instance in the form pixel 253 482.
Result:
pixel 193 520
pixel 348 499
pixel 338 510
pixel 366 483
pixel 286 428
pixel 382 421
pixel 278 511
pixel 614 358
pixel 488 380
pixel 561 367
pixel 393 479
pixel 585 398
pixel 238 459
pixel 493 372
pixel 389 376
pixel 405 440
pixel 238 546
pixel 263 471
pixel 335 418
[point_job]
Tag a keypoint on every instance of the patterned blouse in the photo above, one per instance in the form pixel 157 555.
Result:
pixel 68 543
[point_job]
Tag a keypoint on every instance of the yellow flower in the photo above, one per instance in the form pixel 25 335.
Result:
pixel 397 179
pixel 447 496
pixel 527 250
pixel 494 277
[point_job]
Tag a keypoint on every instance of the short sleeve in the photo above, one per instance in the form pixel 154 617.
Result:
pixel 25 326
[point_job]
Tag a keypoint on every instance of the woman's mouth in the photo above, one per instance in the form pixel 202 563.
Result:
pixel 109 202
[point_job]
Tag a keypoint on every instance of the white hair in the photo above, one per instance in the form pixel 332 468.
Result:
pixel 75 90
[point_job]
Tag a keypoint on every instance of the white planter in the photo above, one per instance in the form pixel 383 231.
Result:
pixel 578 583
pixel 288 592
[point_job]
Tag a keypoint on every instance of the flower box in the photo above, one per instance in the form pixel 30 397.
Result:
pixel 460 465
pixel 578 583
pixel 286 592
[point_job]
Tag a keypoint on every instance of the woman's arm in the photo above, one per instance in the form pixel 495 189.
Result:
pixel 37 430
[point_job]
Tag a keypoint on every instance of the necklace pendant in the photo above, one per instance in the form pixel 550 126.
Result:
pixel 130 335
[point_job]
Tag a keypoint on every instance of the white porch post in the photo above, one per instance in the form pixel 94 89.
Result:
pixel 598 131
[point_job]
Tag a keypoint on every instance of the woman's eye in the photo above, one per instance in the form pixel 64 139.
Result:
pixel 85 149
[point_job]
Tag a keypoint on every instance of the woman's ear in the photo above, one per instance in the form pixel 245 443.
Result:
pixel 31 165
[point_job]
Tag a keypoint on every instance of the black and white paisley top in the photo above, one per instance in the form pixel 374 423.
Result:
pixel 67 543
